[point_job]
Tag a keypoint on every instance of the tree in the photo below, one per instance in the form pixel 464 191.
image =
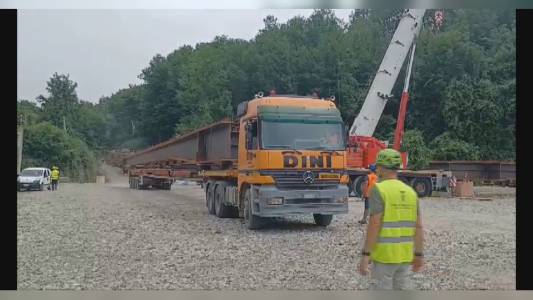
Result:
pixel 61 103
pixel 31 112
pixel 47 145
pixel 419 153
pixel 445 147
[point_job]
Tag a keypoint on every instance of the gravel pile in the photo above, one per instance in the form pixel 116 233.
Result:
pixel 89 236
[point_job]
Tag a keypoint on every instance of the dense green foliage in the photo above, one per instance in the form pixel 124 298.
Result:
pixel 463 84
pixel 46 145
pixel 63 131
pixel 462 95
pixel 419 153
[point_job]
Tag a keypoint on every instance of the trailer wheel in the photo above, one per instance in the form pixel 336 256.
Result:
pixel 322 220
pixel 252 221
pixel 210 200
pixel 357 186
pixel 221 209
pixel 422 186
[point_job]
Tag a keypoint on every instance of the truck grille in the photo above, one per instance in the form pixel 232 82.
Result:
pixel 295 180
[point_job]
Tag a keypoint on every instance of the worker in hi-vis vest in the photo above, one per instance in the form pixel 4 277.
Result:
pixel 394 237
pixel 54 176
pixel 371 180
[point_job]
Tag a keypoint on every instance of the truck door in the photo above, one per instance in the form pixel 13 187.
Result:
pixel 251 143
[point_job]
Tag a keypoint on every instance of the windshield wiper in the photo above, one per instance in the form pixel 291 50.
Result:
pixel 291 151
pixel 279 146
pixel 274 147
pixel 324 150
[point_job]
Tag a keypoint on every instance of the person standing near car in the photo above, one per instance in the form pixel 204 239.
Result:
pixel 55 177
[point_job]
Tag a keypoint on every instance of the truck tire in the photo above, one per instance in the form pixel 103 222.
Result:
pixel 356 186
pixel 422 186
pixel 322 220
pixel 210 198
pixel 252 221
pixel 221 209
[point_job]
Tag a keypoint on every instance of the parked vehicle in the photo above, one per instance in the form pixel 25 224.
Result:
pixel 34 179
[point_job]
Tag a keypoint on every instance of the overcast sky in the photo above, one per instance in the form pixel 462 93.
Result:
pixel 105 50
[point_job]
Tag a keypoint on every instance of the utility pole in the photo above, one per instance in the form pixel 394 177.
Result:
pixel 20 132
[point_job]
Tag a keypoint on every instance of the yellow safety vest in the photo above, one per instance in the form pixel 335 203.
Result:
pixel 55 174
pixel 396 237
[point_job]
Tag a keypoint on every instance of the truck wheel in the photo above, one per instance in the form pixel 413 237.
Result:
pixel 322 220
pixel 251 221
pixel 357 186
pixel 422 186
pixel 221 209
pixel 210 200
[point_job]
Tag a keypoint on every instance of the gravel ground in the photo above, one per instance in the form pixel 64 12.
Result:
pixel 89 236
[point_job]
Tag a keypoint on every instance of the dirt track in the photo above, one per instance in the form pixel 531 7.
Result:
pixel 89 236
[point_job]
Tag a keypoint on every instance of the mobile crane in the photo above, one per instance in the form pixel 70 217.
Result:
pixel 362 146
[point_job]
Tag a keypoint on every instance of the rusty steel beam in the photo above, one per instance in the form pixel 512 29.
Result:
pixel 478 170
pixel 210 145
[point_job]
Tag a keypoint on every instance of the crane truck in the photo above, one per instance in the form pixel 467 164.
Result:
pixel 284 155
pixel 362 148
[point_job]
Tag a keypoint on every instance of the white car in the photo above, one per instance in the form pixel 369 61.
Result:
pixel 34 179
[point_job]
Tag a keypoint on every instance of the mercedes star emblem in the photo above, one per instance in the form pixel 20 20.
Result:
pixel 308 177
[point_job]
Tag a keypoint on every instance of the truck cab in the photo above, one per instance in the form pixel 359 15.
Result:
pixel 291 159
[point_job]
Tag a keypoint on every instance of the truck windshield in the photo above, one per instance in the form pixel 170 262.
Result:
pixel 302 136
pixel 31 173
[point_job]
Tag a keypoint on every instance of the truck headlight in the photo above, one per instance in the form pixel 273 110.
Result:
pixel 275 201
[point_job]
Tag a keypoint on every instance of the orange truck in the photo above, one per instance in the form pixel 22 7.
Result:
pixel 285 155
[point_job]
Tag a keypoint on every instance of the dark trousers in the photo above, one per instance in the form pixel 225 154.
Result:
pixel 54 184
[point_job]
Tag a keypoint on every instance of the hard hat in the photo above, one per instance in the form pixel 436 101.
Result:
pixel 372 167
pixel 389 158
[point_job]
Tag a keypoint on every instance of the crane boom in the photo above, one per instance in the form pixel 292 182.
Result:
pixel 367 120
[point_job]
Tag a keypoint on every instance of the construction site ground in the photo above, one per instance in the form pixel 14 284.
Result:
pixel 107 236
